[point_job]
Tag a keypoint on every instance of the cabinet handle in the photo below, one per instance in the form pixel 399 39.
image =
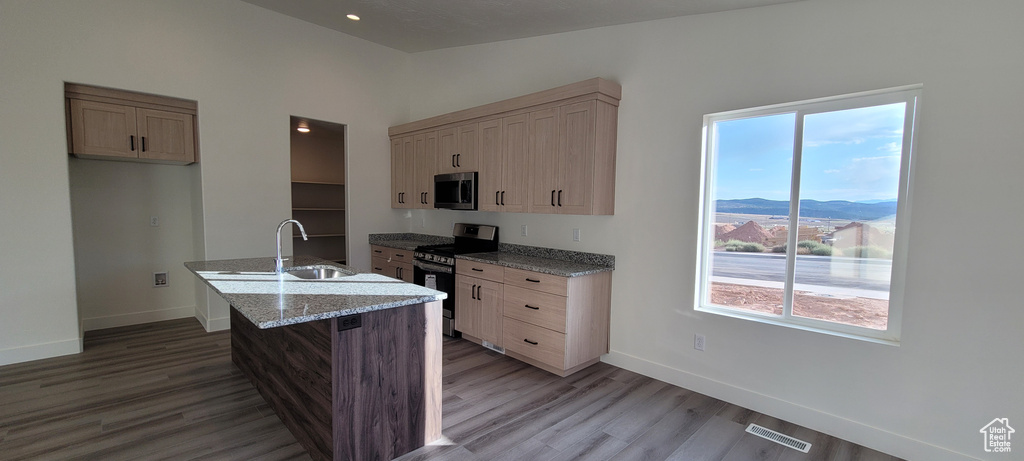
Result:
pixel 378 251
pixel 496 198
pixel 502 198
pixel 378 269
pixel 131 138
pixel 532 280
pixel 424 198
pixel 531 342
pixel 552 197
pixel 475 269
pixel 143 143
pixel 453 160
pixel 458 160
pixel 559 197
pixel 398 272
pixel 478 294
pixel 472 292
pixel 531 307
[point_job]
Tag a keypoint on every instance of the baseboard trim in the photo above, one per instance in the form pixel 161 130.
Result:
pixel 40 351
pixel 853 431
pixel 218 325
pixel 137 318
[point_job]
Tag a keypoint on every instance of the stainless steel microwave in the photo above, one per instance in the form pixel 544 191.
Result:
pixel 455 191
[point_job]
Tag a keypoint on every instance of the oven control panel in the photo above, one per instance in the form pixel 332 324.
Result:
pixel 439 259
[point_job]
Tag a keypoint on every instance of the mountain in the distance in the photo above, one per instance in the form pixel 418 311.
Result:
pixel 835 209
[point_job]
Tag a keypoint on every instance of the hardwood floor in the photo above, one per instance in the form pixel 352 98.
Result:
pixel 168 390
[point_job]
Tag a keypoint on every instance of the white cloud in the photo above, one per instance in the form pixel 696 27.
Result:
pixel 756 169
pixel 831 171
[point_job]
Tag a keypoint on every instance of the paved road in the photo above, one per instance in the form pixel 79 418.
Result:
pixel 860 273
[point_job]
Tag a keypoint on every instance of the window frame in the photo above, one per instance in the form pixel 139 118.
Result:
pixel 911 95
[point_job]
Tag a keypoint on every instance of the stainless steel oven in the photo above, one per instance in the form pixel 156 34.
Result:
pixel 441 278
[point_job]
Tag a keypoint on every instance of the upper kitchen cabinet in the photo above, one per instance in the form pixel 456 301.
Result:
pixel 548 152
pixel 503 149
pixel 579 176
pixel 413 165
pixel 459 149
pixel 122 125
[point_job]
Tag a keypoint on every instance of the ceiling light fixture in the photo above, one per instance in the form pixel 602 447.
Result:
pixel 303 127
pixel 352 17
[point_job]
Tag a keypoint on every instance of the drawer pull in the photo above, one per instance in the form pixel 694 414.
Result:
pixel 378 269
pixel 532 280
pixel 378 251
pixel 475 269
pixel 400 255
pixel 531 342
pixel 531 307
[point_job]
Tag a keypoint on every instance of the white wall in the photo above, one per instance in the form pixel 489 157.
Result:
pixel 117 250
pixel 958 366
pixel 249 69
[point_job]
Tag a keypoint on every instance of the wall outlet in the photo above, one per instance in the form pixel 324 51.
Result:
pixel 575 235
pixel 154 221
pixel 698 342
pixel 524 230
pixel 160 279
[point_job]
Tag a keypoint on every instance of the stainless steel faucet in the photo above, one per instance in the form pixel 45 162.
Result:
pixel 280 262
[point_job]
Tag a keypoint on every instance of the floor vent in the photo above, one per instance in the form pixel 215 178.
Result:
pixel 779 438
pixel 493 347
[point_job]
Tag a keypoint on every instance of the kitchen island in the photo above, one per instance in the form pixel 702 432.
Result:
pixel 351 365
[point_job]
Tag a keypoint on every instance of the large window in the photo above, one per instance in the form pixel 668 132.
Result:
pixel 804 213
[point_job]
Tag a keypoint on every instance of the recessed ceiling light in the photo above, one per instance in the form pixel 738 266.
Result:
pixel 303 127
pixel 352 17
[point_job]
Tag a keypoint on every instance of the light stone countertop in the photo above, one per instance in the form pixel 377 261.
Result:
pixel 565 263
pixel 271 300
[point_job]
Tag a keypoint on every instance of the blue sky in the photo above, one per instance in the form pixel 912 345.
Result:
pixel 849 155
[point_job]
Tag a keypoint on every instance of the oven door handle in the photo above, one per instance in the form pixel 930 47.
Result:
pixel 431 267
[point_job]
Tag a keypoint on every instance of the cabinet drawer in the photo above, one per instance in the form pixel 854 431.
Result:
pixel 378 252
pixel 398 255
pixel 539 308
pixel 538 343
pixel 547 283
pixel 379 265
pixel 480 270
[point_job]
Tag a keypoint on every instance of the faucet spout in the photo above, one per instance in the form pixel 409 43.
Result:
pixel 279 261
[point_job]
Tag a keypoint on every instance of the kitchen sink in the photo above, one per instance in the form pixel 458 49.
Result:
pixel 319 272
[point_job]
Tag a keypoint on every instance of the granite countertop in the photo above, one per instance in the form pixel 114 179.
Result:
pixel 271 300
pixel 565 263
pixel 536 263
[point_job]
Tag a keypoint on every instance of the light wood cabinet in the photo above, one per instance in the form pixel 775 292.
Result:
pixel 424 168
pixel 392 262
pixel 548 152
pixel 459 149
pixel 113 124
pixel 413 165
pixel 504 164
pixel 573 159
pixel 559 324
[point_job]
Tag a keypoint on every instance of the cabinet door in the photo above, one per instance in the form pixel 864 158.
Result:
pixel 401 152
pixel 490 297
pixel 491 164
pixel 467 158
pixel 542 130
pixel 103 129
pixel 425 169
pixel 403 272
pixel 468 317
pixel 415 199
pixel 515 163
pixel 165 136
pixel 576 158
pixel 447 147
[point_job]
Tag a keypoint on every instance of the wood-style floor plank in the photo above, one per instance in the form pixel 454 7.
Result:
pixel 168 390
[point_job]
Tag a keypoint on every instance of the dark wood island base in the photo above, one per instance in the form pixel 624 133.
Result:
pixel 371 391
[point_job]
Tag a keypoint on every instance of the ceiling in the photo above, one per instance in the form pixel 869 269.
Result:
pixel 422 25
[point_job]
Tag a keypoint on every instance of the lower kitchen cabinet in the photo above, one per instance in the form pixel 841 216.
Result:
pixel 392 262
pixel 558 324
